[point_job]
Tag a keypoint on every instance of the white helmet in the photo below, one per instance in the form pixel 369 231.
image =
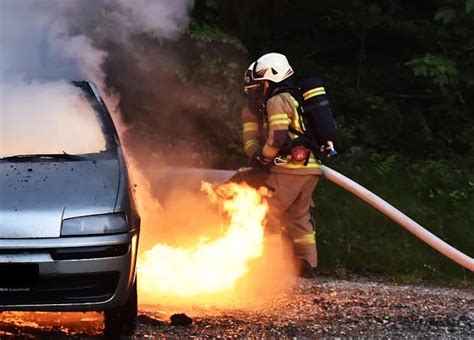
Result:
pixel 271 66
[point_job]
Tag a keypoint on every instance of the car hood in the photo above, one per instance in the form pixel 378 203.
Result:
pixel 36 196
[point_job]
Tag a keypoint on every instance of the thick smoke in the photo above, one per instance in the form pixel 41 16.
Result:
pixel 37 44
pixel 60 40
pixel 46 44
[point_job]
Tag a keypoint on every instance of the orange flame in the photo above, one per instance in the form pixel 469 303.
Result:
pixel 213 266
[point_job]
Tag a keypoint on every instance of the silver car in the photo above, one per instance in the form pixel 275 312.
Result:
pixel 69 228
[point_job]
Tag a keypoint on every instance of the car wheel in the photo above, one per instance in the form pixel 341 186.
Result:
pixel 122 320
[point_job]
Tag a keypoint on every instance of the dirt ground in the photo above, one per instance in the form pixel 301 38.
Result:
pixel 312 308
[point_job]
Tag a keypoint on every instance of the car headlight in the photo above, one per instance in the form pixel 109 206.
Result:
pixel 95 225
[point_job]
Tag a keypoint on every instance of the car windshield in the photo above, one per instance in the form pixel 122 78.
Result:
pixel 52 118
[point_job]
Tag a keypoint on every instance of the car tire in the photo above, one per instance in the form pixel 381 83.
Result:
pixel 122 320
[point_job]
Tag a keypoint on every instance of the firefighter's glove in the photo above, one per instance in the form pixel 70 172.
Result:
pixel 261 162
pixel 255 177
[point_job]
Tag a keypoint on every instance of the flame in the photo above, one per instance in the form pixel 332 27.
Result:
pixel 212 266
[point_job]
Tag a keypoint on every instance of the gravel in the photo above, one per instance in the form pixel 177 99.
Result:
pixel 312 308
pixel 330 307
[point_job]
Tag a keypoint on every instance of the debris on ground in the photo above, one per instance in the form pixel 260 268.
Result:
pixel 181 319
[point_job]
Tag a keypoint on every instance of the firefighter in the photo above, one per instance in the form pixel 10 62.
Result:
pixel 269 115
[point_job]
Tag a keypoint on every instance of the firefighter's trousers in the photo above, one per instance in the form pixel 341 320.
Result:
pixel 289 213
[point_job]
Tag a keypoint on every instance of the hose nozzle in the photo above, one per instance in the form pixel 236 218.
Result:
pixel 329 150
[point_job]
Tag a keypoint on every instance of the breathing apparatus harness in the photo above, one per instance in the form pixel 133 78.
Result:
pixel 307 140
pixel 312 121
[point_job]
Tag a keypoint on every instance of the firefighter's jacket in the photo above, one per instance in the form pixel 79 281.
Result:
pixel 270 133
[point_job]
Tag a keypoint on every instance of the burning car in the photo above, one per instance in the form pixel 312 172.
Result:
pixel 69 228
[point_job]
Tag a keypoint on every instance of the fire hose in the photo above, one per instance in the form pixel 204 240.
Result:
pixel 400 218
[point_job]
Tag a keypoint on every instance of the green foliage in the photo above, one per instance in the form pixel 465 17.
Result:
pixel 206 33
pixel 375 102
pixel 469 6
pixel 442 71
pixel 362 13
pixel 446 15
pixel 457 10
pixel 213 4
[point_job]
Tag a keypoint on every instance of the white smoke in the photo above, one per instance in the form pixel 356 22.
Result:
pixel 161 19
pixel 36 44
pixel 52 42
pixel 57 39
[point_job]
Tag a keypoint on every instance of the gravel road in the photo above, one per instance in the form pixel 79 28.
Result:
pixel 313 308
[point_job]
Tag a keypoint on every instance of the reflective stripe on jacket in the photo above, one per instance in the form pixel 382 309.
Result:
pixel 251 133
